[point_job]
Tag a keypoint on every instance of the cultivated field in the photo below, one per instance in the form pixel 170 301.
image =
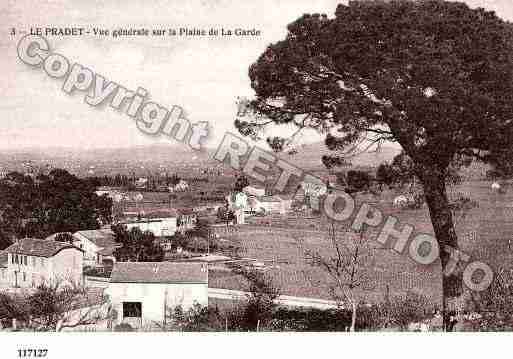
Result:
pixel 484 234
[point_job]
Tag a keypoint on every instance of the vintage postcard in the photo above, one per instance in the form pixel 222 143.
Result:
pixel 243 166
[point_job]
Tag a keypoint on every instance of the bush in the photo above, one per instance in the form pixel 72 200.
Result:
pixel 416 202
pixel 310 319
pixel 358 180
pixel 103 272
pixel 123 327
pixel 411 308
pixel 463 202
pixel 386 174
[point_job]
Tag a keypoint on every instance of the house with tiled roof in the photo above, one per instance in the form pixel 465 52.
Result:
pixel 31 262
pixel 98 246
pixel 143 292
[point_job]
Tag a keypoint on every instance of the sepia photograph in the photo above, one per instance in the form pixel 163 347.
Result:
pixel 332 169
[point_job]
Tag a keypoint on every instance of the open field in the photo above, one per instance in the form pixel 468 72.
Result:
pixel 483 234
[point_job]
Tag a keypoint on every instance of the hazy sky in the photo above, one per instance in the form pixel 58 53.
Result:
pixel 202 75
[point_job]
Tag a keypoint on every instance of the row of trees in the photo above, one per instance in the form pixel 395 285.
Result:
pixel 128 182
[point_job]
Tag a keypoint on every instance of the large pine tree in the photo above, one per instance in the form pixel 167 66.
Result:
pixel 434 76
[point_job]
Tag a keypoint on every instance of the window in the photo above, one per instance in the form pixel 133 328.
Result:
pixel 12 258
pixel 33 261
pixel 24 276
pixel 132 309
pixel 16 258
pixel 25 260
pixel 42 261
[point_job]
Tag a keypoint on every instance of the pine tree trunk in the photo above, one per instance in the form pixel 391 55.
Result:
pixel 441 217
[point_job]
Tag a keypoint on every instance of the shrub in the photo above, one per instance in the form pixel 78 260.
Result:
pixel 98 271
pixel 386 174
pixel 310 319
pixel 358 180
pixel 411 308
pixel 494 305
pixel 123 327
pixel 398 312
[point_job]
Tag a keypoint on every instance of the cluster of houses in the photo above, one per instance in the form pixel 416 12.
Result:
pixel 118 195
pixel 142 293
pixel 254 201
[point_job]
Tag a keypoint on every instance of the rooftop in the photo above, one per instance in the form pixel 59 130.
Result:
pixel 151 214
pixel 38 247
pixel 103 238
pixel 107 251
pixel 269 199
pixel 159 272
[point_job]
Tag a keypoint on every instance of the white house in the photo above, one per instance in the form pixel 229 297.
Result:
pixel 250 204
pixel 181 186
pixel 274 204
pixel 161 223
pixel 141 182
pixel 186 220
pixel 33 261
pixel 98 246
pixel 114 193
pixel 238 203
pixel 143 292
pixel 253 191
pixel 314 187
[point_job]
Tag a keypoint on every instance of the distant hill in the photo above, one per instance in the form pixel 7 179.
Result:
pixel 143 160
pixel 140 160
pixel 309 156
pixel 157 156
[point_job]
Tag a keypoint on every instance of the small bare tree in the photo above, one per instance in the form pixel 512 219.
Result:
pixel 344 266
pixel 55 306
